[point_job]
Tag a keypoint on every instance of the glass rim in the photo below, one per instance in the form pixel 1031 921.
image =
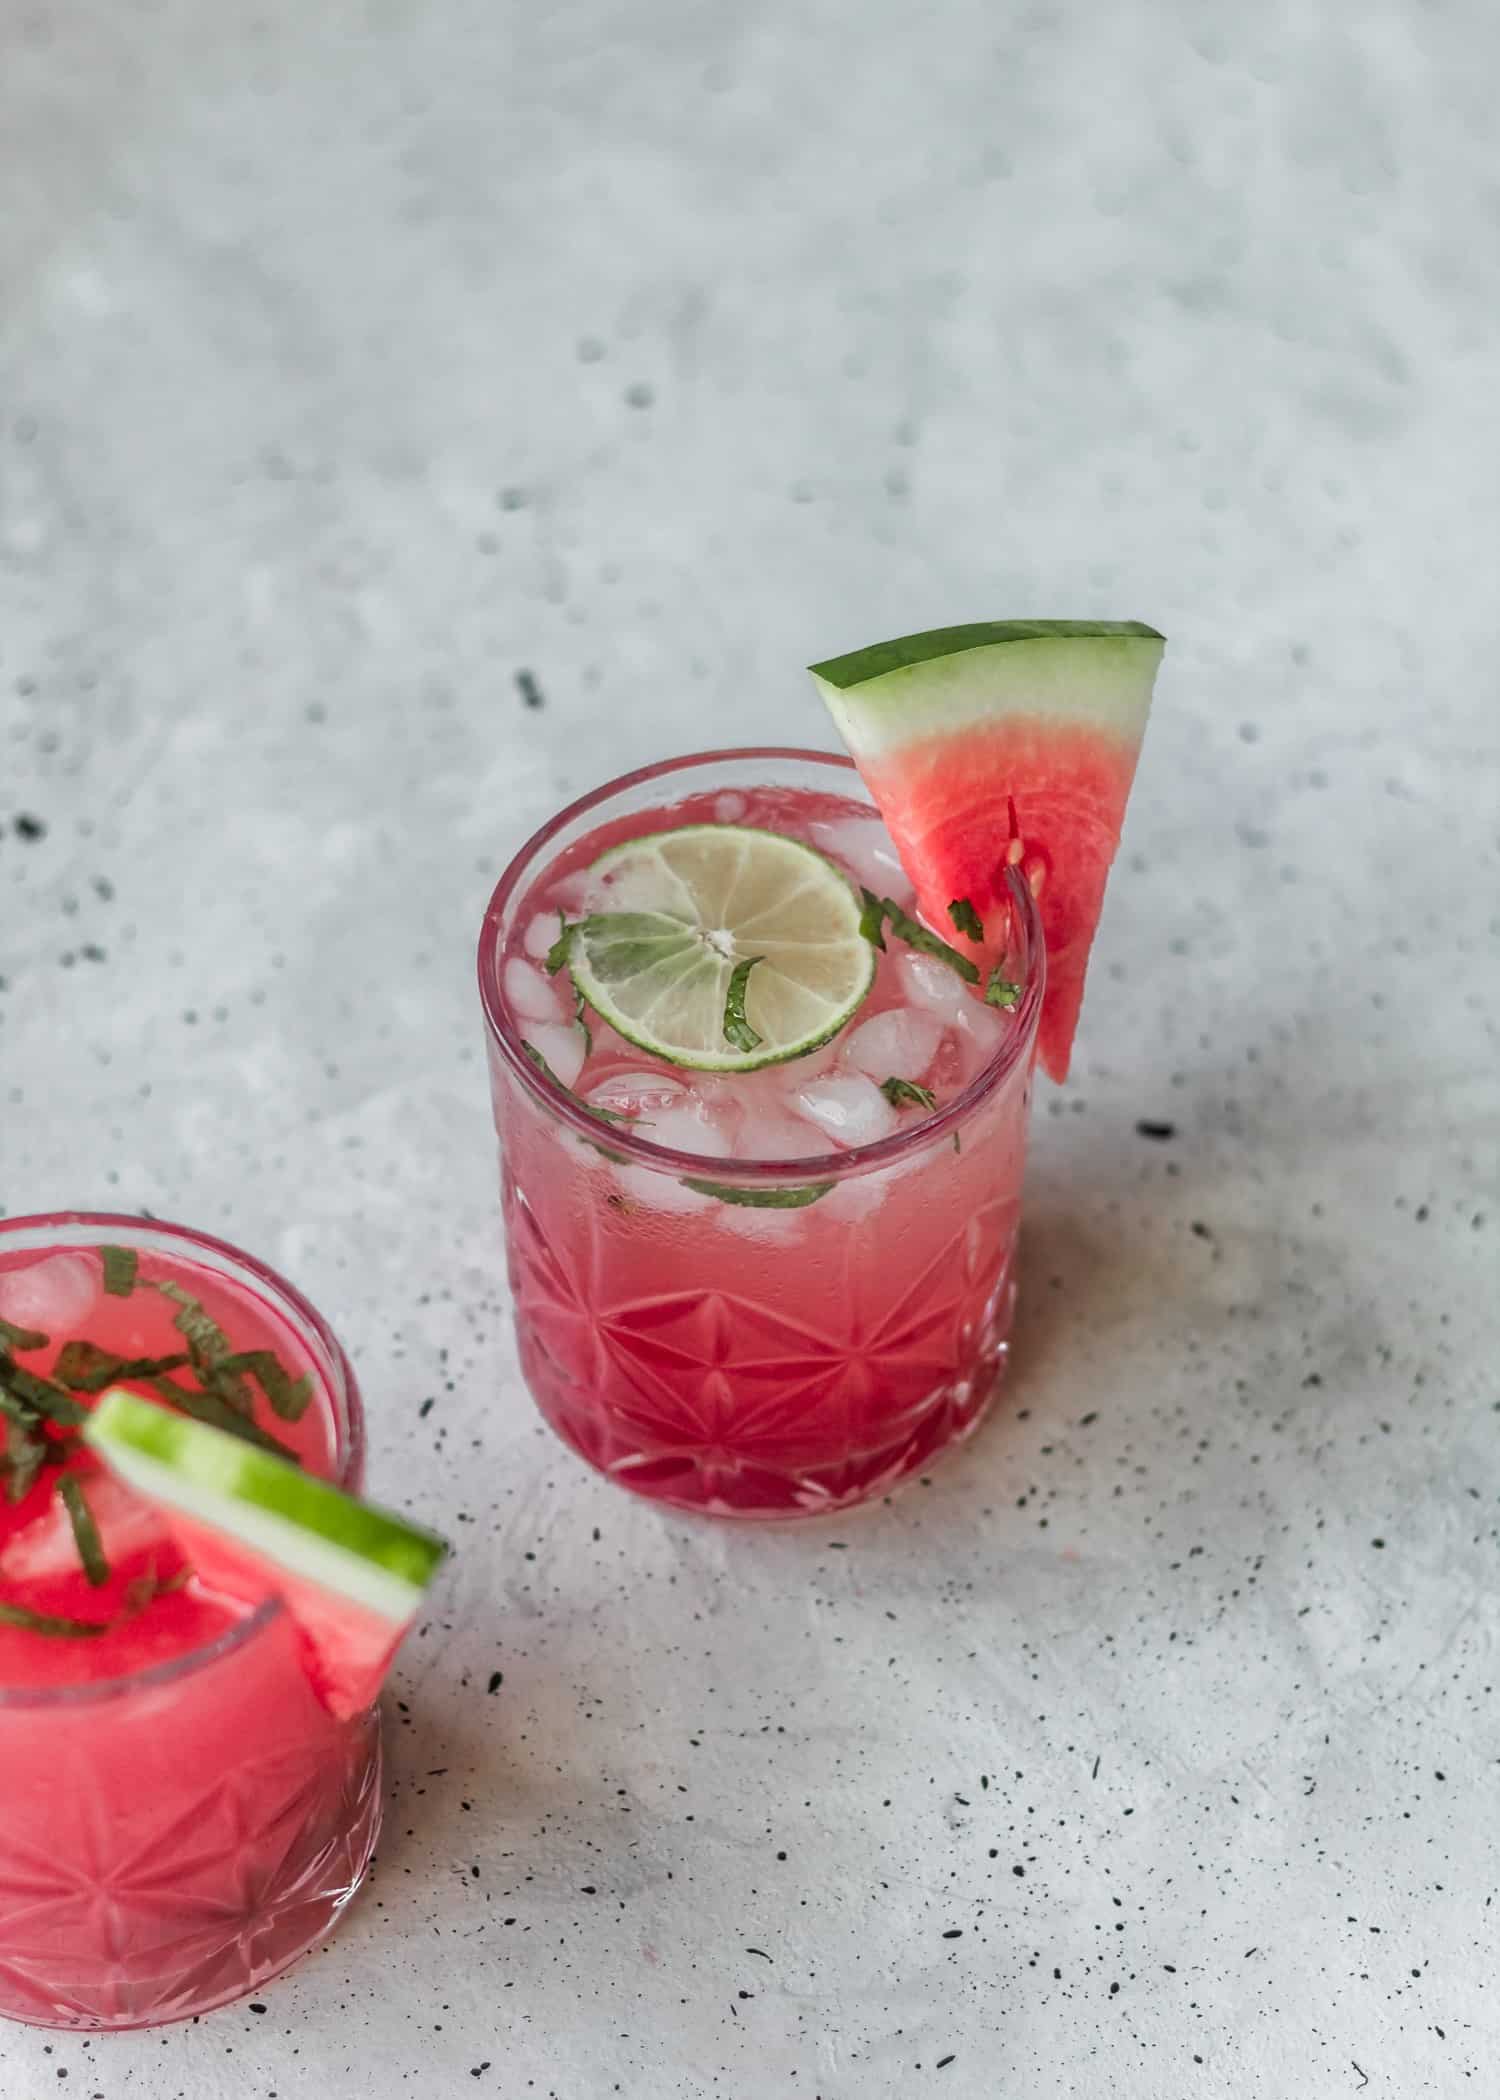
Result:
pixel 349 1435
pixel 742 1173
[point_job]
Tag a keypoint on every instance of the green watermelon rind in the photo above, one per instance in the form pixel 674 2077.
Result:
pixel 1094 674
pixel 276 1511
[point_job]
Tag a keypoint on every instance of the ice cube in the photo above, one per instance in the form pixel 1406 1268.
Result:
pixel 753 1223
pixel 862 846
pixel 561 1043
pixel 54 1294
pixel 729 809
pixel 901 1043
pixel 650 1191
pixel 687 1128
pixel 851 1109
pixel 854 1198
pixel 932 985
pixel 541 933
pixel 530 995
pixel 643 1093
pixel 777 1134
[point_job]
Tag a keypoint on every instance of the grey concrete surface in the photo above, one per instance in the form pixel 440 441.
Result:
pixel 357 359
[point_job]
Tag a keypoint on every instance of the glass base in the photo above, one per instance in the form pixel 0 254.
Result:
pixel 224 1897
pixel 889 1442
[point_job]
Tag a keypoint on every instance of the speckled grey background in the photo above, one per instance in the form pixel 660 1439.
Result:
pixel 360 359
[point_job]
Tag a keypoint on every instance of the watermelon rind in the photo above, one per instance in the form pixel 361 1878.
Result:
pixel 1089 672
pixel 272 1508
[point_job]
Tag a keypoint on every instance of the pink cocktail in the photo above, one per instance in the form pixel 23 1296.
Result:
pixel 182 1813
pixel 772 1293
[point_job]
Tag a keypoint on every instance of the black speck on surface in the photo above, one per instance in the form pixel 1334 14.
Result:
pixel 30 828
pixel 497 1678
pixel 530 691
pixel 639 395
pixel 1159 1131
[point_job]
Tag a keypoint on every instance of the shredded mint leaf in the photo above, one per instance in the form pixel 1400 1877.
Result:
pixel 580 1015
pixel 737 1030
pixel 625 943
pixel 562 947
pixel 211 1407
pixel 208 1346
pixel 50 1623
pixel 590 1108
pixel 25 1451
pixel 288 1396
pixel 956 1145
pixel 760 1199
pixel 40 1394
pixel 917 936
pixel 871 918
pixel 1000 991
pixel 22 1338
pixel 86 1368
pixel 120 1265
pixel 85 1531
pixel 901 1091
pixel 966 919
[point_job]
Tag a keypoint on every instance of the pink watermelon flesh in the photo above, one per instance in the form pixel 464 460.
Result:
pixel 347 1649
pixel 1006 744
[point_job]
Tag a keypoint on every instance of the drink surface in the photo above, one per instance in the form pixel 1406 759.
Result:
pixel 920 1023
pixel 796 1345
pixel 152 1607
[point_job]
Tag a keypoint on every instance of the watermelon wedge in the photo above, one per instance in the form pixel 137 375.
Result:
pixel 352 1577
pixel 1007 743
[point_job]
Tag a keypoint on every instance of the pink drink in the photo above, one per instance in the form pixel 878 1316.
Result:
pixel 709 1347
pixel 182 1816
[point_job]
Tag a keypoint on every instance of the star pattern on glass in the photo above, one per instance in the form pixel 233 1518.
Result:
pixel 719 1381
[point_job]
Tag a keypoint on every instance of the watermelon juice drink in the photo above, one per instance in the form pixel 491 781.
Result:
pixel 767 1292
pixel 183 1814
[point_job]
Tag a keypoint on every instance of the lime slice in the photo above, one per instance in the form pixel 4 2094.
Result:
pixel 721 947
pixel 264 1510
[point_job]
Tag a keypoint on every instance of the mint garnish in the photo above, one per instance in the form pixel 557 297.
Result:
pixel 288 1396
pixel 120 1265
pixel 51 1623
pixel 590 1108
pixel 208 1346
pixel 966 919
pixel 26 1449
pixel 39 1394
pixel 211 1407
pixel 23 1338
pixel 1000 991
pixel 562 947
pixel 737 1030
pixel 580 1010
pixel 85 1530
pixel 761 1199
pixel 871 918
pixel 86 1368
pixel 917 936
pixel 900 1092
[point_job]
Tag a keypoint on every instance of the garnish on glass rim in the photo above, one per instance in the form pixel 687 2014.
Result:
pixel 906 1093
pixel 737 1029
pixel 966 919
